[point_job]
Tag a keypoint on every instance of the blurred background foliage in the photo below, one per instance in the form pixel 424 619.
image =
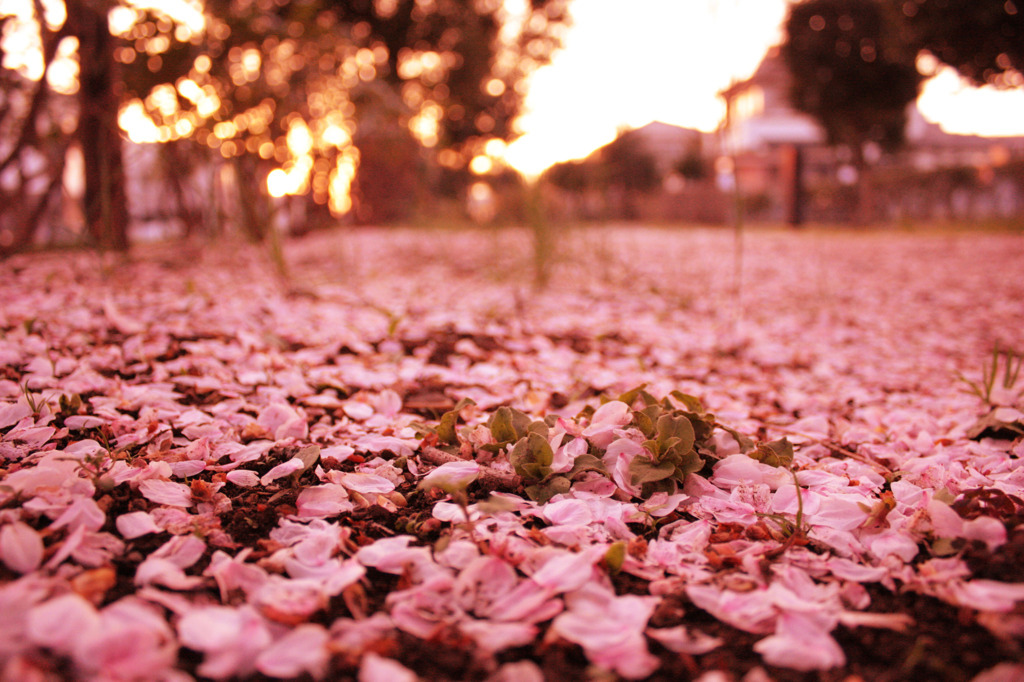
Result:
pixel 360 107
pixel 268 115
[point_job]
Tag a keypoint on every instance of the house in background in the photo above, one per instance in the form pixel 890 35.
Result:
pixel 785 172
pixel 767 142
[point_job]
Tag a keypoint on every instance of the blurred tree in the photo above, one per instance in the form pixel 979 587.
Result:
pixel 692 165
pixel 99 89
pixel 571 176
pixel 622 170
pixel 853 72
pixel 629 165
pixel 297 94
pixel 32 156
pixel 334 86
pixel 982 39
pixel 629 171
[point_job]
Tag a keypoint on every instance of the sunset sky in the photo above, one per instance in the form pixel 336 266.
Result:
pixel 666 60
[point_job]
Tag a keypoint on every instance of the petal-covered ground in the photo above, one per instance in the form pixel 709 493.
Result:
pixel 406 462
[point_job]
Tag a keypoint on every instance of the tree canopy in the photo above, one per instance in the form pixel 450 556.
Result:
pixel 982 39
pixel 851 70
pixel 854 62
pixel 299 92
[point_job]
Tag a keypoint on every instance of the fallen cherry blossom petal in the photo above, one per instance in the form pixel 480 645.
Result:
pixel 611 416
pixel 610 629
pixel 166 492
pixel 60 622
pixel 21 547
pixel 375 668
pixel 303 650
pixel 231 639
pixel 801 642
pixel 243 477
pixel 323 501
pixel 367 483
pixel 682 641
pixel 452 476
pixel 287 468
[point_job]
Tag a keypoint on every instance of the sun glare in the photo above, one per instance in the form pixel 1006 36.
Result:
pixel 621 66
pixel 186 13
pixel 481 165
pixel 667 60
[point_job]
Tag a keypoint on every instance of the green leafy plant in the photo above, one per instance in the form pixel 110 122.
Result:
pixel 779 453
pixel 676 435
pixel 776 453
pixel 446 433
pixel 531 456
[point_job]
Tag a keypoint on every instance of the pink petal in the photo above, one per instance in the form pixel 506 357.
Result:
pixel 567 571
pixel 568 511
pixel 801 642
pixel 375 668
pixel 244 478
pixel 21 547
pixel 610 629
pixel 276 415
pixel 323 501
pixel 377 444
pixel 451 476
pixel 166 492
pixel 83 512
pixel 181 550
pixel 492 636
pixel 303 650
pixel 337 452
pixel 282 470
pixel 157 571
pixel 231 638
pixel 607 419
pixel 358 410
pixel 367 483
pixel 60 622
pixel 12 413
pixel 680 640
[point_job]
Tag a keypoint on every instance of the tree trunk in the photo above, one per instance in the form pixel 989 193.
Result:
pixel 28 225
pixel 176 165
pixel 864 211
pixel 254 215
pixel 106 203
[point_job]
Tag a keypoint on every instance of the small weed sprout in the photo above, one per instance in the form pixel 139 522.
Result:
pixel 1010 362
pixel 30 399
pixel 96 467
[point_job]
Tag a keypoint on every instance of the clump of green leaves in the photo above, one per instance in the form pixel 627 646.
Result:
pixel 676 437
pixel 776 453
pixel 446 432
pixel 675 432
pixel 531 455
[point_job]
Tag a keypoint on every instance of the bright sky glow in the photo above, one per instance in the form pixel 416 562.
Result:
pixel 623 65
pixel 626 64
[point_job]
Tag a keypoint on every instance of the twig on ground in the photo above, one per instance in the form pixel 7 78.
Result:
pixel 836 449
pixel 489 478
